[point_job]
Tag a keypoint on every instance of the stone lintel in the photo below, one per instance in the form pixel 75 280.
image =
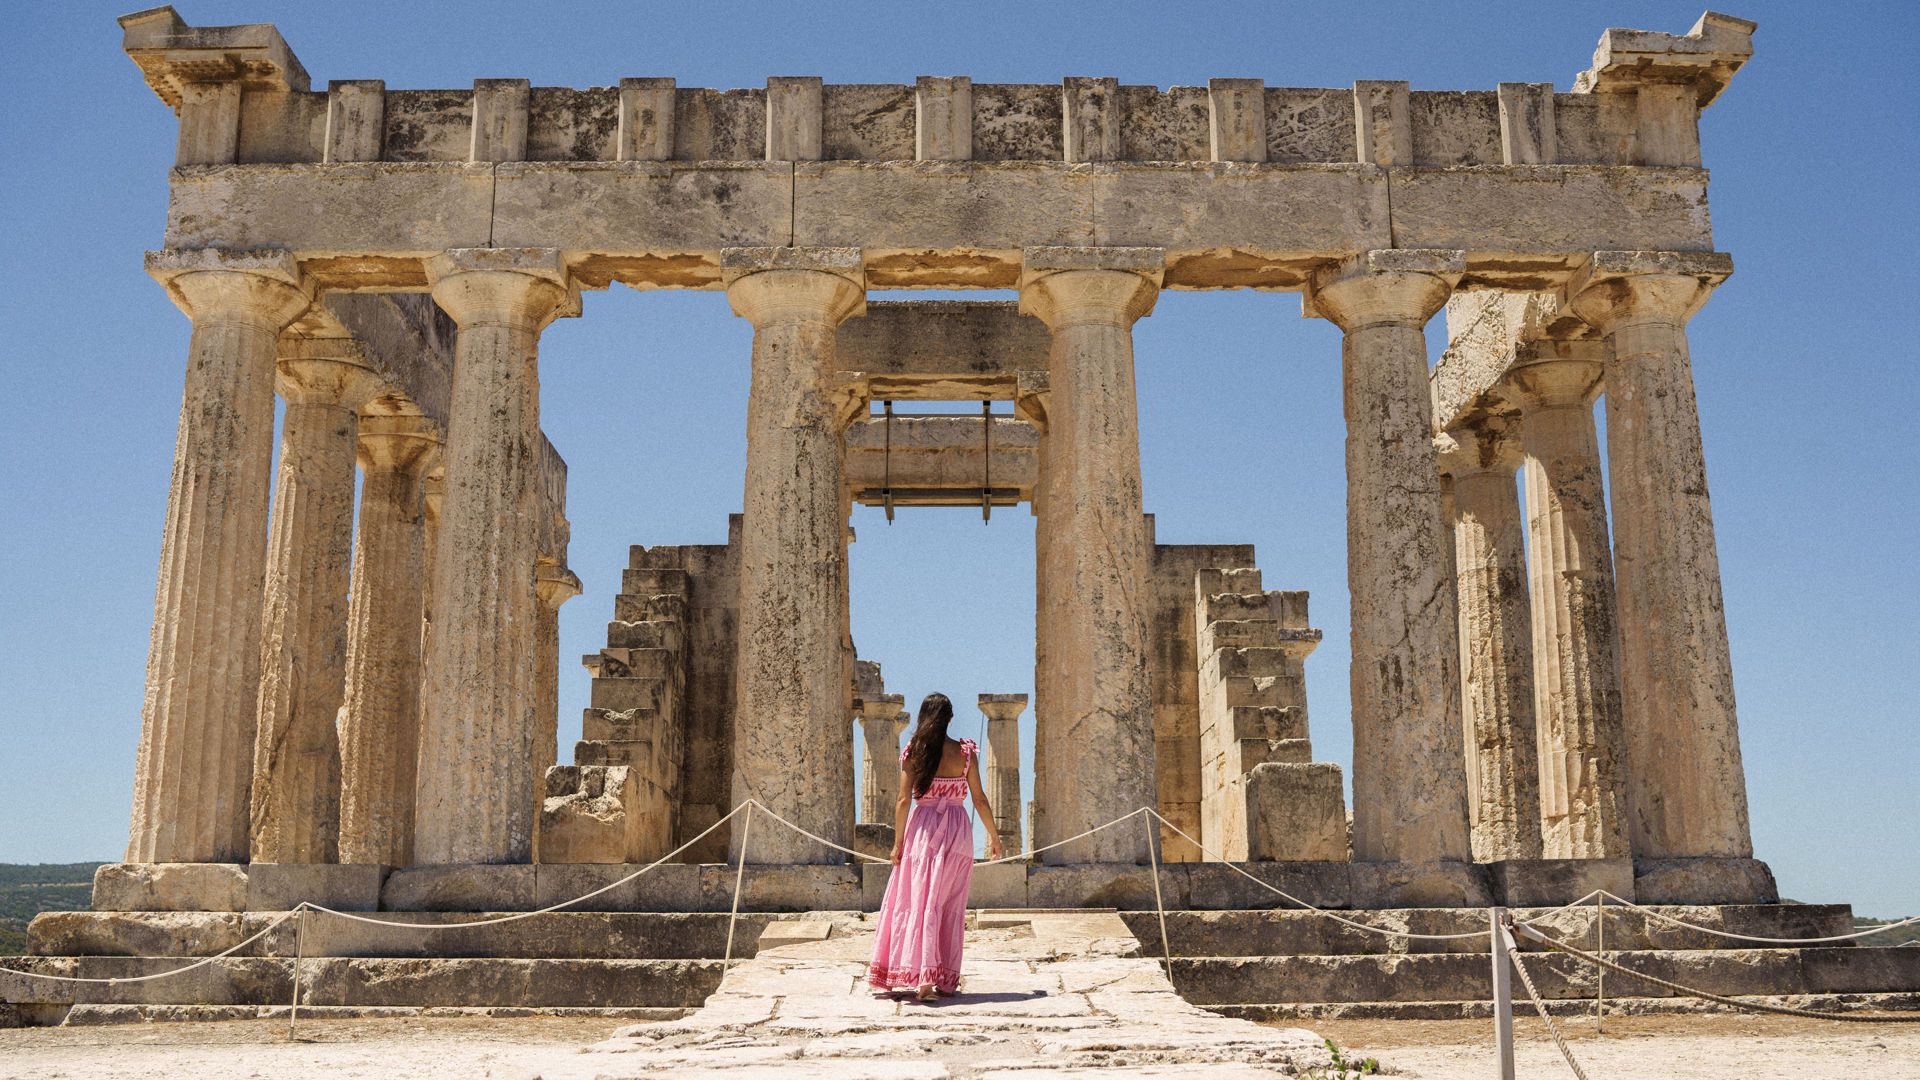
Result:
pixel 409 340
pixel 172 55
pixel 1705 57
pixel 944 341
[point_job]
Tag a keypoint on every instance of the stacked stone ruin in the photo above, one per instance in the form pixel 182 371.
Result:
pixel 1541 698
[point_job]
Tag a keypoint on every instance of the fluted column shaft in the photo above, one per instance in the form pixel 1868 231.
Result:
pixel 880 727
pixel 203 664
pixel 1094 544
pixel 1686 785
pixel 1496 650
pixel 1576 683
pixel 476 742
pixel 380 725
pixel 1000 764
pixel 793 683
pixel 303 657
pixel 1409 772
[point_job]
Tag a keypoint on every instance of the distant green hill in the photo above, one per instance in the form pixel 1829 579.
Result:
pixel 27 890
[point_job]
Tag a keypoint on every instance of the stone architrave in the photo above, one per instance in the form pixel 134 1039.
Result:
pixel 476 737
pixel 203 664
pixel 553 586
pixel 1686 787
pixel 1405 675
pixel 1000 767
pixel 1092 538
pixel 1576 684
pixel 303 660
pixel 380 724
pixel 1496 650
pixel 794 672
pixel 881 721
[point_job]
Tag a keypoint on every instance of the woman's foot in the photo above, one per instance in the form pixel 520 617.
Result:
pixel 926 992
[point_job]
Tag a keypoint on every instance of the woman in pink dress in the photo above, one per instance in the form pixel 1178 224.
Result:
pixel 923 918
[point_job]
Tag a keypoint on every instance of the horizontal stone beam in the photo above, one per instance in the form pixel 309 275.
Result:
pixel 655 224
pixel 409 341
pixel 943 350
pixel 941 460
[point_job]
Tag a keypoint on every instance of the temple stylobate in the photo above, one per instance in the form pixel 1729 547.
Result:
pixel 1541 696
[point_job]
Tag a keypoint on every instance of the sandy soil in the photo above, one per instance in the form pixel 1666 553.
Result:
pixel 1631 1048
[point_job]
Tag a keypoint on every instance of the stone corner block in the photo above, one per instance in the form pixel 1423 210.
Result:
pixel 461 887
pixel 1703 881
pixel 1552 882
pixel 1296 812
pixel 1440 883
pixel 341 886
pixel 1105 885
pixel 168 263
pixel 170 887
pixel 666 887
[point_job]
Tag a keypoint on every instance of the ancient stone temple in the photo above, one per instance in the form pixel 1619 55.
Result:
pixel 365 717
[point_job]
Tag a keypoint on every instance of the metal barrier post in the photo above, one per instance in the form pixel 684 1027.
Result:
pixel 1502 992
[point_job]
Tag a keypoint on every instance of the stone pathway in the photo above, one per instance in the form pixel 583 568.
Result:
pixel 1053 994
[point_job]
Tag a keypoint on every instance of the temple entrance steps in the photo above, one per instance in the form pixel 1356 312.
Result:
pixel 1281 964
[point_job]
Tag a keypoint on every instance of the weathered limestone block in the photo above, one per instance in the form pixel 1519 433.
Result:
pixel 1406 678
pixel 795 660
pixel 295 793
pixel 881 722
pixel 154 886
pixel 343 886
pixel 1095 680
pixel 197 723
pixel 1547 882
pixel 873 838
pixel 1000 767
pixel 1296 812
pixel 1713 880
pixel 1496 650
pixel 1685 781
pixel 600 814
pixel 460 887
pixel 476 736
pixel 943 118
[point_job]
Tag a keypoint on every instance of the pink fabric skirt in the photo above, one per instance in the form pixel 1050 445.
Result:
pixel 922 921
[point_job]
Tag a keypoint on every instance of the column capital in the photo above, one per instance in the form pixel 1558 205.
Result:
pixel 525 288
pixel 1003 707
pixel 769 285
pixel 884 707
pixel 1612 289
pixel 263 288
pixel 1073 286
pixel 1558 379
pixel 1485 445
pixel 326 371
pixel 1388 287
pixel 401 444
pixel 555 584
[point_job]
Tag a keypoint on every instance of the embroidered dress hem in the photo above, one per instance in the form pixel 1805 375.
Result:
pixel 945 980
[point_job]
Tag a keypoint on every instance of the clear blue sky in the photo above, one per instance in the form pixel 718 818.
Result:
pixel 1805 362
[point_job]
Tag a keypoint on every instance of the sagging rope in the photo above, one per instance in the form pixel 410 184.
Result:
pixel 1652 914
pixel 1526 980
pixel 1533 934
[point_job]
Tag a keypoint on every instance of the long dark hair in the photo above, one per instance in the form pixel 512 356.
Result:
pixel 929 742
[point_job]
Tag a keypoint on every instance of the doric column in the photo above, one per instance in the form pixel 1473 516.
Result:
pixel 1570 579
pixel 1496 650
pixel 793 687
pixel 476 739
pixel 1000 769
pixel 553 585
pixel 1686 787
pixel 1409 773
pixel 303 656
pixel 1031 404
pixel 881 721
pixel 203 664
pixel 380 725
pixel 1092 538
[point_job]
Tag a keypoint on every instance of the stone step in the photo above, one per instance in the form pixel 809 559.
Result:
pixel 642 607
pixel 624 663
pixel 1257 662
pixel 623 725
pixel 638 753
pixel 357 981
pixel 558 935
pixel 646 634
pixel 1294 931
pixel 1264 692
pixel 652 581
pixel 1269 722
pixel 1238 607
pixel 1213 581
pixel 620 695
pixel 1228 980
pixel 1615 1006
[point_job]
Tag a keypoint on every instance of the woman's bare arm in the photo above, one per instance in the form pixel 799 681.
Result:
pixel 986 813
pixel 900 807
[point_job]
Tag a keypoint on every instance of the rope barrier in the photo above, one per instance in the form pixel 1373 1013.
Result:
pixel 1526 980
pixel 1533 934
pixel 1651 913
pixel 1159 905
pixel 739 877
pixel 200 963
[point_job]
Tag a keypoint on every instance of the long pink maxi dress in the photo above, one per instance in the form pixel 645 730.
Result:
pixel 923 917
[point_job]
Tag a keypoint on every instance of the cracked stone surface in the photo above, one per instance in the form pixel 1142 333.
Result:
pixel 1062 995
